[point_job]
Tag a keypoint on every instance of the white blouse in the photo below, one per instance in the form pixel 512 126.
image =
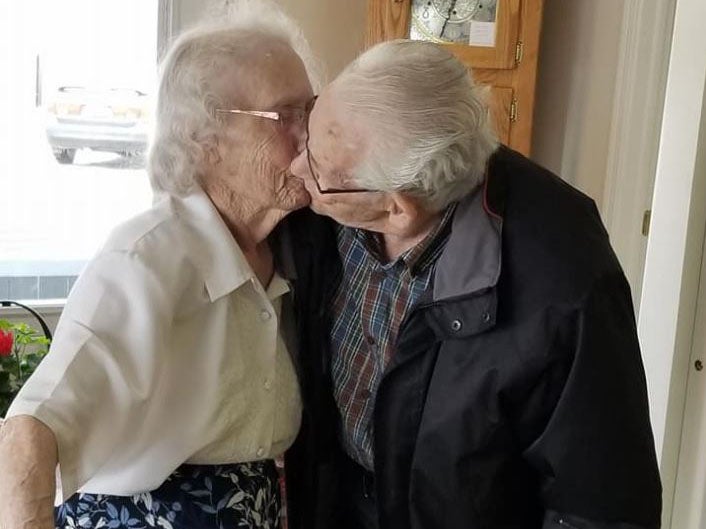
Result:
pixel 169 351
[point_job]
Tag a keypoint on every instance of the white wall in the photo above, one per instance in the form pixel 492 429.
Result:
pixel 578 60
pixel 335 28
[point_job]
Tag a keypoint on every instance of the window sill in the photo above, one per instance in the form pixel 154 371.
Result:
pixel 45 307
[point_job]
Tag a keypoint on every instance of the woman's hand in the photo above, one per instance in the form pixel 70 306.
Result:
pixel 28 459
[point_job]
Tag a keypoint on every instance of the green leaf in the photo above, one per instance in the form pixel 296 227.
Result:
pixel 29 349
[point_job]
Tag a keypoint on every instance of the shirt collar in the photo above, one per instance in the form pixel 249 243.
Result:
pixel 418 257
pixel 278 287
pixel 428 249
pixel 211 245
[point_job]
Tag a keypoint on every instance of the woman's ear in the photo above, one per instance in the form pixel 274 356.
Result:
pixel 212 155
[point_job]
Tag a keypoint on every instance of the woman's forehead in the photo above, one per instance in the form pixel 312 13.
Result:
pixel 275 78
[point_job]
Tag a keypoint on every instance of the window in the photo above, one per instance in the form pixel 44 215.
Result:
pixel 76 99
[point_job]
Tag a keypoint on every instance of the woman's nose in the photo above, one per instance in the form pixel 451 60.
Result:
pixel 299 136
pixel 299 166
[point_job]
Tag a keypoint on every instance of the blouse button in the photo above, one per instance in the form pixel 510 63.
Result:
pixel 267 384
pixel 260 452
pixel 265 315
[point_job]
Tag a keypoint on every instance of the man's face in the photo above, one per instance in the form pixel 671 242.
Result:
pixel 254 153
pixel 334 148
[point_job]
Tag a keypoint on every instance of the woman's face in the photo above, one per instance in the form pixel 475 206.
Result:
pixel 253 154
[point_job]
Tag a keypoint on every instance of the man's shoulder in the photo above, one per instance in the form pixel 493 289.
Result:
pixel 552 232
pixel 514 176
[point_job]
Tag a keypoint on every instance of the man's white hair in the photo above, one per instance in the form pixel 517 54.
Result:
pixel 426 123
pixel 185 118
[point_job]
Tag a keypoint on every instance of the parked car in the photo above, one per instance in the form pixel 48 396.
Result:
pixel 111 120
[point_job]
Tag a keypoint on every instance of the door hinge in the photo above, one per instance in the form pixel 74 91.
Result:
pixel 646 217
pixel 513 110
pixel 519 52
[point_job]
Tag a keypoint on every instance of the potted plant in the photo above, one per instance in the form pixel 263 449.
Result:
pixel 22 348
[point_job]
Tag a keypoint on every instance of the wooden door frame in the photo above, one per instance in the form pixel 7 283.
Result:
pixel 395 15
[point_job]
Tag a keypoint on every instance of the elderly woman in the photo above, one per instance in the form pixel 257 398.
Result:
pixel 169 388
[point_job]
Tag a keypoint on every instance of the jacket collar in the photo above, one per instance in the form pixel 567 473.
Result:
pixel 464 297
pixel 472 258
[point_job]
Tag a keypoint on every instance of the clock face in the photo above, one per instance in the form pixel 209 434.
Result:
pixel 445 20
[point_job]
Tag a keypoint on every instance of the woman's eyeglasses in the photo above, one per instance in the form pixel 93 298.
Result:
pixel 284 117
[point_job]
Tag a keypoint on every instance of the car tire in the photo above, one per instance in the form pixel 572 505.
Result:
pixel 65 156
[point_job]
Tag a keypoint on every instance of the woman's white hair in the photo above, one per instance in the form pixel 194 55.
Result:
pixel 426 122
pixel 185 120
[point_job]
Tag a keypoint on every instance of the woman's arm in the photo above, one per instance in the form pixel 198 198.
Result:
pixel 28 459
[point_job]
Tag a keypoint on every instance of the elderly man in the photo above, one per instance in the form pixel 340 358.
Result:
pixel 470 333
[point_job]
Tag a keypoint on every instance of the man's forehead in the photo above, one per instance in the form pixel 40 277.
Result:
pixel 326 118
pixel 335 137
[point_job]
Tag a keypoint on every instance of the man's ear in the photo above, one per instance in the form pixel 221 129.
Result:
pixel 408 215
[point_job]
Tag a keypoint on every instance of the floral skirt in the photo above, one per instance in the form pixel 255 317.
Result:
pixel 244 495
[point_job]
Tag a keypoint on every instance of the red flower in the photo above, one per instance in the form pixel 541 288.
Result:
pixel 5 343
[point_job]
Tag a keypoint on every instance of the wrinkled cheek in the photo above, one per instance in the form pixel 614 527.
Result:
pixel 274 151
pixel 326 205
pixel 284 153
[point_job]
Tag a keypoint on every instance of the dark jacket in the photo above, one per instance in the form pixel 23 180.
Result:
pixel 516 396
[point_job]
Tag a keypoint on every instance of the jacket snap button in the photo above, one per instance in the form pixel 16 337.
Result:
pixel 486 317
pixel 456 325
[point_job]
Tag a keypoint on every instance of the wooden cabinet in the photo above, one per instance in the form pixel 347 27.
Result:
pixel 508 66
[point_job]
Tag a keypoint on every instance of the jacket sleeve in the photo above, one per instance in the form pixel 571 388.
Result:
pixel 312 477
pixel 596 457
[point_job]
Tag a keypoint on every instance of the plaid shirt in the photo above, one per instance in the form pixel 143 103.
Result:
pixel 372 299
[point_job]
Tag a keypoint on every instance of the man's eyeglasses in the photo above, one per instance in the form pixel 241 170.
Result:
pixel 310 160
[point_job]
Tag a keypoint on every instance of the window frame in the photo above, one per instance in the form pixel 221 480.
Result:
pixel 167 17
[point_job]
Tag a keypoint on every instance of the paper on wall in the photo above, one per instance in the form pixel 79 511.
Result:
pixel 482 34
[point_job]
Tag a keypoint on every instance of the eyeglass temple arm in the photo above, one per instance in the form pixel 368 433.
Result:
pixel 259 113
